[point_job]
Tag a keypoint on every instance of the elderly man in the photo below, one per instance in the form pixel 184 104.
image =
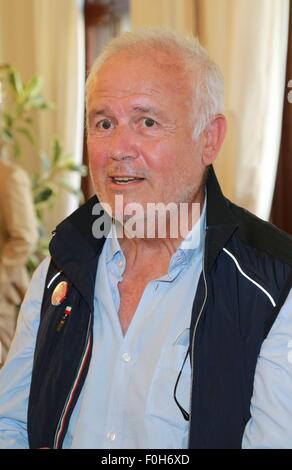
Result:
pixel 138 341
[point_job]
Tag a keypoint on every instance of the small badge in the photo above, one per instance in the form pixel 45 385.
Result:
pixel 68 310
pixel 67 313
pixel 60 293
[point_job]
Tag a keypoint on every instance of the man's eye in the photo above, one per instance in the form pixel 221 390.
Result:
pixel 104 124
pixel 148 122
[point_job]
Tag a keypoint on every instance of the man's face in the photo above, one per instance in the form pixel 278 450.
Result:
pixel 140 126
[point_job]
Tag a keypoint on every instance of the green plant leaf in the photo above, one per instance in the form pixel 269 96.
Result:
pixel 15 81
pixel 34 180
pixel 43 195
pixel 44 243
pixel 29 120
pixel 33 86
pixel 8 119
pixel 69 165
pixel 24 131
pixel 47 105
pixel 83 170
pixel 43 184
pixel 16 149
pixel 57 151
pixel 19 110
pixel 45 163
pixel 8 134
pixel 34 102
pixel 70 189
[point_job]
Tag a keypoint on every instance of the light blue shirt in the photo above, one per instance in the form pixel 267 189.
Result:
pixel 127 399
pixel 271 404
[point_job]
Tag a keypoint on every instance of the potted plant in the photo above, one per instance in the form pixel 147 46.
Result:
pixel 19 100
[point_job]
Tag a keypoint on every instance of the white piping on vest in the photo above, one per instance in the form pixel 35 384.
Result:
pixel 52 280
pixel 59 431
pixel 249 278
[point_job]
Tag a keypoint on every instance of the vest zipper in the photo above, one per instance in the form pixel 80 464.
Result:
pixel 193 339
pixel 83 361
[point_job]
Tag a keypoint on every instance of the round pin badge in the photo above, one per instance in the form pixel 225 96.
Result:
pixel 60 293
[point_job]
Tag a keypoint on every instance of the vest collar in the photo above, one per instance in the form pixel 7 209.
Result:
pixel 221 222
pixel 75 250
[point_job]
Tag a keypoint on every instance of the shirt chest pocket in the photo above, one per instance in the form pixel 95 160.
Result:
pixel 161 404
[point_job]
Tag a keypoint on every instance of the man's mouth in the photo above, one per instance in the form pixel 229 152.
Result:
pixel 126 179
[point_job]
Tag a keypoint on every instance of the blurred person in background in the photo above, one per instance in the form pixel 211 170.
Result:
pixel 18 238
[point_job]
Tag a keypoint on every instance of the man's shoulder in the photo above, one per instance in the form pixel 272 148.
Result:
pixel 262 235
pixel 74 238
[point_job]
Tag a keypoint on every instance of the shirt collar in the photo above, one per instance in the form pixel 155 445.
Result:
pixel 113 245
pixel 193 243
pixel 189 247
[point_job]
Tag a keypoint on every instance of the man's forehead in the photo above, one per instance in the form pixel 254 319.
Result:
pixel 137 93
pixel 124 76
pixel 142 66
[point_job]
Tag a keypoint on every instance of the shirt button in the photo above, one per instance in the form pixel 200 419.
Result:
pixel 126 357
pixel 111 436
pixel 120 264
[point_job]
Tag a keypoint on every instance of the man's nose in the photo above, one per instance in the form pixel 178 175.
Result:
pixel 123 144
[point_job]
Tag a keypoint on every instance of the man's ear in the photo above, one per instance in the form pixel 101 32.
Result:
pixel 214 137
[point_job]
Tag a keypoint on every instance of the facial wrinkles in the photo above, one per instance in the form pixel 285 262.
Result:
pixel 129 110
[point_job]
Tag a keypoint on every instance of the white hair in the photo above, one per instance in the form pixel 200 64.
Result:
pixel 208 81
